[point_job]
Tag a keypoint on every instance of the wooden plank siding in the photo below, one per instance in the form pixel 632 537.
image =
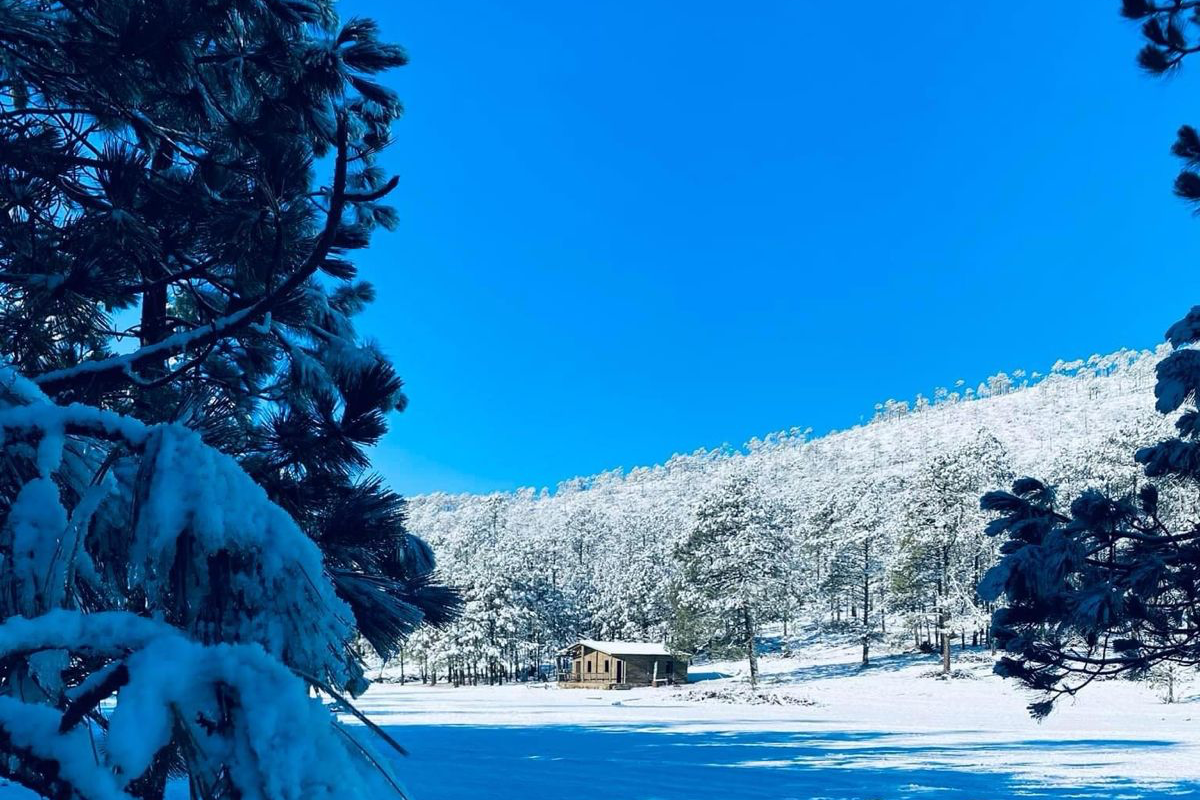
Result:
pixel 596 669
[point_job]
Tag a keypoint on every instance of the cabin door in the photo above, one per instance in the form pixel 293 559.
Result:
pixel 620 671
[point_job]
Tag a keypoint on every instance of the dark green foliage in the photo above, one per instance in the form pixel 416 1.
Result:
pixel 1109 588
pixel 182 187
pixel 1170 29
pixel 1172 32
pixel 1104 590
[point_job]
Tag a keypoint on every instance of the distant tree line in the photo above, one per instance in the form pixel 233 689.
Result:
pixel 876 530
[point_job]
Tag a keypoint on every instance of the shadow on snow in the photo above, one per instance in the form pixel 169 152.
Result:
pixel 457 762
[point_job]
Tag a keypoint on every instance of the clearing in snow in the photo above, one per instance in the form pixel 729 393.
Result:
pixel 823 728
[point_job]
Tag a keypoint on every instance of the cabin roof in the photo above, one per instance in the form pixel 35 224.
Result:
pixel 626 648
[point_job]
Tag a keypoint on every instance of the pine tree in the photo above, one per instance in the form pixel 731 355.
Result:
pixel 176 303
pixel 733 562
pixel 1112 586
pixel 864 548
pixel 945 551
pixel 160 158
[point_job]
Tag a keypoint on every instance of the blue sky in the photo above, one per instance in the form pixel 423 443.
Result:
pixel 631 229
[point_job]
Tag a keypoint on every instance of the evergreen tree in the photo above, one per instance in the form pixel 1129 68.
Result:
pixel 176 280
pixel 733 563
pixel 1113 586
pixel 167 250
pixel 945 551
pixel 862 556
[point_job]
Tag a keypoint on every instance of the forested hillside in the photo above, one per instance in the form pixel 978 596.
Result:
pixel 876 528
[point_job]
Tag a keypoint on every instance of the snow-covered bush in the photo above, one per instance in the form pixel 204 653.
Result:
pixel 744 694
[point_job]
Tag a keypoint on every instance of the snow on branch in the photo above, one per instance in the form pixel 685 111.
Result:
pixel 236 617
pixel 246 719
pixel 128 364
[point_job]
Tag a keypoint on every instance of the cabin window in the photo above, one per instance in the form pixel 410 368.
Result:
pixel 670 667
pixel 606 665
pixel 589 665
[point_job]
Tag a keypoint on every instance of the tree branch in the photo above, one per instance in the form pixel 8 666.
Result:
pixel 122 369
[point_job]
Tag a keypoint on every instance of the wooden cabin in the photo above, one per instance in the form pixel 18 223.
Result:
pixel 589 664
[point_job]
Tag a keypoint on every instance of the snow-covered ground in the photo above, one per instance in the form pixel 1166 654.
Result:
pixel 890 731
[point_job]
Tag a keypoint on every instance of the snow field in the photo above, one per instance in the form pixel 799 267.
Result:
pixel 890 731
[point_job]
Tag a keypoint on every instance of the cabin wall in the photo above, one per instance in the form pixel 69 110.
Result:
pixel 639 670
pixel 590 666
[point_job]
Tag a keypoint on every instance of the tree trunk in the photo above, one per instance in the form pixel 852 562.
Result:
pixel 943 617
pixel 748 622
pixel 866 603
pixel 945 653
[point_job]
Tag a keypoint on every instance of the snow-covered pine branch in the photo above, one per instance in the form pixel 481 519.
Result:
pixel 145 563
pixel 240 721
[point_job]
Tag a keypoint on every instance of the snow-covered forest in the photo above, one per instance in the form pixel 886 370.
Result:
pixel 877 528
